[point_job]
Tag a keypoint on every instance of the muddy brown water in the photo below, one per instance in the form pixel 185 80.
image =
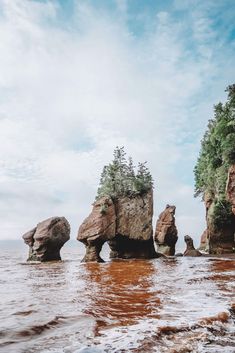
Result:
pixel 162 305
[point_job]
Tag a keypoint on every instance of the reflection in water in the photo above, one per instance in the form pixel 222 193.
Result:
pixel 163 305
pixel 121 292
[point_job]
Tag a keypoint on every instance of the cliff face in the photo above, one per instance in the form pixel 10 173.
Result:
pixel 125 223
pixel 230 187
pixel 212 171
pixel 134 232
pixel 134 216
pixel 166 231
pixel 220 227
pixel 204 241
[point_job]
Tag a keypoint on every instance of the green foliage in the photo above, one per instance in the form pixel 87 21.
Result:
pixel 221 214
pixel 216 155
pixel 120 179
pixel 217 149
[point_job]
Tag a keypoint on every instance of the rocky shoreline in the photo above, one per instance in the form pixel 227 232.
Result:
pixel 125 223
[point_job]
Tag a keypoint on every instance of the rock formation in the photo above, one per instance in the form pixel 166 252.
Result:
pixel 204 243
pixel 190 250
pixel 124 217
pixel 47 238
pixel 215 165
pixel 134 232
pixel 166 231
pixel 126 223
pixel 220 227
pixel 97 228
pixel 230 187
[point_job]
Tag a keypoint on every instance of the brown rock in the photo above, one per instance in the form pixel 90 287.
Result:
pixel 204 241
pixel 134 216
pixel 97 228
pixel 134 232
pixel 46 240
pixel 125 223
pixel 230 187
pixel 166 231
pixel 123 247
pixel 220 238
pixel 208 200
pixel 190 250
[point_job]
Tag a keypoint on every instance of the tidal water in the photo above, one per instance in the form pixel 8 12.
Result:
pixel 163 305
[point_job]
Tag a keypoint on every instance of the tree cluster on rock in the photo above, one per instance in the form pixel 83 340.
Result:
pixel 122 212
pixel 211 171
pixel 121 215
pixel 119 177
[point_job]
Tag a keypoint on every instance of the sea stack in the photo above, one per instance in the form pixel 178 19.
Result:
pixel 122 213
pixel 47 238
pixel 166 231
pixel 190 249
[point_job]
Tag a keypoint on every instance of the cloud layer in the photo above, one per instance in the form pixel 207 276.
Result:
pixel 74 87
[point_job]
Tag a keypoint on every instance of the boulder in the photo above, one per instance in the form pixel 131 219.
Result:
pixel 230 187
pixel 190 250
pixel 97 228
pixel 166 231
pixel 47 238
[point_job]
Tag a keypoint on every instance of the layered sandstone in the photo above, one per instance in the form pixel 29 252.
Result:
pixel 97 228
pixel 166 231
pixel 134 232
pixel 230 187
pixel 220 235
pixel 47 238
pixel 125 223
pixel 204 241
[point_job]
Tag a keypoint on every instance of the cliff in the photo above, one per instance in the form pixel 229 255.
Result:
pixel 230 187
pixel 213 172
pixel 219 235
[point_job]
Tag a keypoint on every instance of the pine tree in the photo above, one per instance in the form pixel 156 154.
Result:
pixel 119 179
pixel 216 155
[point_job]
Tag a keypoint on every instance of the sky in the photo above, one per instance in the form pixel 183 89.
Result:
pixel 80 77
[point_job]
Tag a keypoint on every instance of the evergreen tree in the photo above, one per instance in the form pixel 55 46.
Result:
pixel 119 179
pixel 216 155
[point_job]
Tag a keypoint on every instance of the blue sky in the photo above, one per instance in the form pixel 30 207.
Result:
pixel 80 77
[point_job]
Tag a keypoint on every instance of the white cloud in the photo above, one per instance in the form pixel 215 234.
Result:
pixel 70 94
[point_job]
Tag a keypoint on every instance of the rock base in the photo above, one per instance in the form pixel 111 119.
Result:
pixel 123 247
